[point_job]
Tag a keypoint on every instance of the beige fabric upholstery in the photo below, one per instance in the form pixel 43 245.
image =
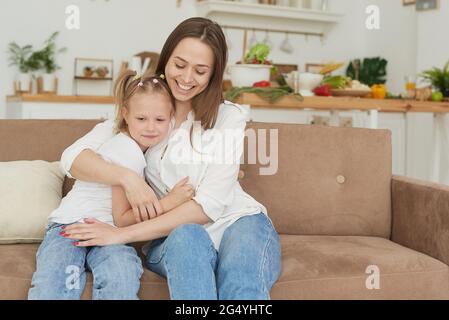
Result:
pixel 421 216
pixel 308 195
pixel 314 267
pixel 29 190
pixel 330 200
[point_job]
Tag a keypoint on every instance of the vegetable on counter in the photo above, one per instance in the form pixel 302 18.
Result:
pixel 337 82
pixel 270 94
pixel 324 90
pixel 258 54
pixel 262 84
pixel 378 91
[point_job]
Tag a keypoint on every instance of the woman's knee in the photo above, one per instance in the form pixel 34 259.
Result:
pixel 189 241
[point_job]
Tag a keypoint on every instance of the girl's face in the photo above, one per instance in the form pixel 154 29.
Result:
pixel 148 118
pixel 189 68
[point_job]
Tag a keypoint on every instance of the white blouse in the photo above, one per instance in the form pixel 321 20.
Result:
pixel 210 158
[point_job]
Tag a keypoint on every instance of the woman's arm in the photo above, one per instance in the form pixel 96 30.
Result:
pixel 90 167
pixel 96 233
pixel 80 161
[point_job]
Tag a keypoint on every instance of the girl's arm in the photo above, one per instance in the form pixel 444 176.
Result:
pixel 121 209
pixel 123 214
pixel 80 161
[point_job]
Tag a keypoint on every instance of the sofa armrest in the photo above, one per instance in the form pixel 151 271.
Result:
pixel 420 218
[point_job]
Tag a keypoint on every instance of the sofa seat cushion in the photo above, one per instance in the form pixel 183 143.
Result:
pixel 18 262
pixel 335 267
pixel 313 267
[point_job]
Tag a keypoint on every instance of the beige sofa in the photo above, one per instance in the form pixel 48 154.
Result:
pixel 340 213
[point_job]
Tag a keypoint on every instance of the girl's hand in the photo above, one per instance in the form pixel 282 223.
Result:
pixel 94 233
pixel 141 197
pixel 181 192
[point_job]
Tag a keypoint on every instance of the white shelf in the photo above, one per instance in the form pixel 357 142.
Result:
pixel 260 16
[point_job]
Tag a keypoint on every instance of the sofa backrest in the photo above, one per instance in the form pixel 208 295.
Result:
pixel 40 140
pixel 329 181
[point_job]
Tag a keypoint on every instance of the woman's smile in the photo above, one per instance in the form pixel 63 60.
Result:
pixel 184 89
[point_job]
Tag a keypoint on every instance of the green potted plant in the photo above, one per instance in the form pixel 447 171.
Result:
pixel 47 57
pixel 370 71
pixel 23 59
pixel 439 79
pixel 254 68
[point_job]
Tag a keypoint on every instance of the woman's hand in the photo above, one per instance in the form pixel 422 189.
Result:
pixel 94 233
pixel 141 197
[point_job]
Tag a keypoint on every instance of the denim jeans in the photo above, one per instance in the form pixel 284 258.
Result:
pixel 61 270
pixel 246 265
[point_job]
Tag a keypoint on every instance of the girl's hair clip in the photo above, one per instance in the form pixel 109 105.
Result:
pixel 162 76
pixel 155 81
pixel 137 76
pixel 140 84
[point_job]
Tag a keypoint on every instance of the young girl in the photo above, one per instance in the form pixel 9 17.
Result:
pixel 144 119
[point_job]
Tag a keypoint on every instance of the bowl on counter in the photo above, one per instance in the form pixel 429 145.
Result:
pixel 303 82
pixel 245 75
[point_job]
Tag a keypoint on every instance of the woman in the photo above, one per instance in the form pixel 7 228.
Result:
pixel 221 244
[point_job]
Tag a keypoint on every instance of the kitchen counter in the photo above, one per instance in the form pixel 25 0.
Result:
pixel 345 103
pixel 288 102
pixel 60 99
pixel 420 130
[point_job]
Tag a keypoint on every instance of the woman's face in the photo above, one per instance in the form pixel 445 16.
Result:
pixel 189 68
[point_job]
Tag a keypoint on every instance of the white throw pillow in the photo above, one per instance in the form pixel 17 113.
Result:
pixel 29 192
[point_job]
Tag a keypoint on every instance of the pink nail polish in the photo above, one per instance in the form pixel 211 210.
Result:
pixel 76 243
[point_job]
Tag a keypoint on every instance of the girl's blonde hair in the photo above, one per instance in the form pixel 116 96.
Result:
pixel 130 83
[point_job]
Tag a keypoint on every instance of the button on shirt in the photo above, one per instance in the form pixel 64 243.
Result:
pixel 210 158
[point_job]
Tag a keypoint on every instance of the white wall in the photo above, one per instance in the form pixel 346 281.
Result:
pixel 433 50
pixel 118 29
pixel 394 41
pixel 115 29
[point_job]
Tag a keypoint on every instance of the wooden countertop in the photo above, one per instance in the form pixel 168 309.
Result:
pixel 60 99
pixel 345 103
pixel 287 102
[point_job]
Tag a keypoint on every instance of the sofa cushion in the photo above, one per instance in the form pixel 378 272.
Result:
pixel 314 267
pixel 29 191
pixel 339 267
pixel 39 139
pixel 329 180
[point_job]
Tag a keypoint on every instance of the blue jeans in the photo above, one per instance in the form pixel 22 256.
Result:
pixel 246 265
pixel 61 270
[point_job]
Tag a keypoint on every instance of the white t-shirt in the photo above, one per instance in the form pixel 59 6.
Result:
pixel 216 184
pixel 94 200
